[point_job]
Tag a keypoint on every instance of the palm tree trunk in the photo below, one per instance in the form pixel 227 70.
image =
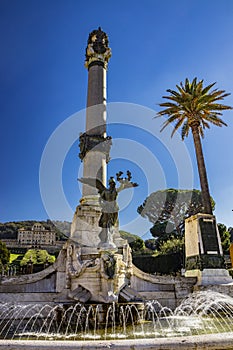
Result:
pixel 202 170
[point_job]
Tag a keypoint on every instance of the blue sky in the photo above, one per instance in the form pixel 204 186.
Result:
pixel 155 45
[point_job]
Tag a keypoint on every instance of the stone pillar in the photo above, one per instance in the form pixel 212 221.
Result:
pixel 94 144
pixel 203 250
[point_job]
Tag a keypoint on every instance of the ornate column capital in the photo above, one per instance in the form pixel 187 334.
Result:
pixel 97 143
pixel 97 51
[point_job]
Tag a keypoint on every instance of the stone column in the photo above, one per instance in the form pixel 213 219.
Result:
pixel 94 144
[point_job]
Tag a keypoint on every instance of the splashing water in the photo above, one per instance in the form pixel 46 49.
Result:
pixel 201 312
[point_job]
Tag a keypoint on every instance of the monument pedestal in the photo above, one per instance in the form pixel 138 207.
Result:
pixel 85 229
pixel 86 232
pixel 99 277
pixel 203 250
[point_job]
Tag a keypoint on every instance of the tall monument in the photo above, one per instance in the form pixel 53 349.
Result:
pixel 94 144
pixel 95 264
pixel 99 261
pixel 94 147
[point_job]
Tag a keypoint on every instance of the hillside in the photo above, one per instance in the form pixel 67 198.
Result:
pixel 8 230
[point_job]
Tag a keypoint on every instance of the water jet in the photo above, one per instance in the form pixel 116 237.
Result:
pixel 202 318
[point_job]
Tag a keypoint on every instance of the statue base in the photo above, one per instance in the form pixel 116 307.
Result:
pixel 107 246
pixel 204 255
pixel 97 277
pixel 85 231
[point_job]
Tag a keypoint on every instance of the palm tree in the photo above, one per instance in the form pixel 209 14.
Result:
pixel 193 107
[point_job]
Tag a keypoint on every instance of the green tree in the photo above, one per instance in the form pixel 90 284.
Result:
pixel 225 238
pixel 172 245
pixel 151 243
pixel 163 231
pixel 4 254
pixel 136 243
pixel 37 256
pixel 193 107
pixel 230 230
pixel 167 210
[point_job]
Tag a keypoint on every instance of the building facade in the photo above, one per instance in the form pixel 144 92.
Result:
pixel 36 237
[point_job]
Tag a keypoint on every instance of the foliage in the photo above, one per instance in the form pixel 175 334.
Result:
pixel 192 104
pixel 230 230
pixel 160 264
pixel 136 243
pixel 151 243
pixel 168 260
pixel 4 254
pixel 14 257
pixel 163 231
pixel 163 228
pixel 37 257
pixel 9 230
pixel 167 210
pixel 225 238
pixel 194 107
pixel 172 245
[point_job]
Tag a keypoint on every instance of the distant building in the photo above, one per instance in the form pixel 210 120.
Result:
pixel 36 237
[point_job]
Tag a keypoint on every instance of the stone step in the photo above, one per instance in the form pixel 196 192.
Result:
pixel 80 294
pixel 129 294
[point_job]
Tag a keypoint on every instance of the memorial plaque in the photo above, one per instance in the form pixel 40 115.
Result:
pixel 209 236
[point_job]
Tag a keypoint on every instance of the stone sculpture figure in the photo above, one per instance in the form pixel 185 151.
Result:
pixel 75 266
pixel 97 48
pixel 108 202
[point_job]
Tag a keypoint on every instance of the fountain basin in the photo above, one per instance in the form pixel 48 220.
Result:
pixel 201 313
pixel 211 341
pixel 204 319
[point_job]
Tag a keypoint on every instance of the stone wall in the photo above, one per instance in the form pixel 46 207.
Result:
pixel 168 290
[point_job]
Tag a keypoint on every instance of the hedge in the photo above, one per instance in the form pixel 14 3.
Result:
pixel 163 264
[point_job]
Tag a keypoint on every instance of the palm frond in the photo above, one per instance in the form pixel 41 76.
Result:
pixel 193 104
pixel 178 124
pixel 185 130
pixel 187 85
pixel 205 124
pixel 199 88
pixel 217 107
pixel 207 88
pixel 169 121
pixel 173 92
pixel 180 89
pixel 200 129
